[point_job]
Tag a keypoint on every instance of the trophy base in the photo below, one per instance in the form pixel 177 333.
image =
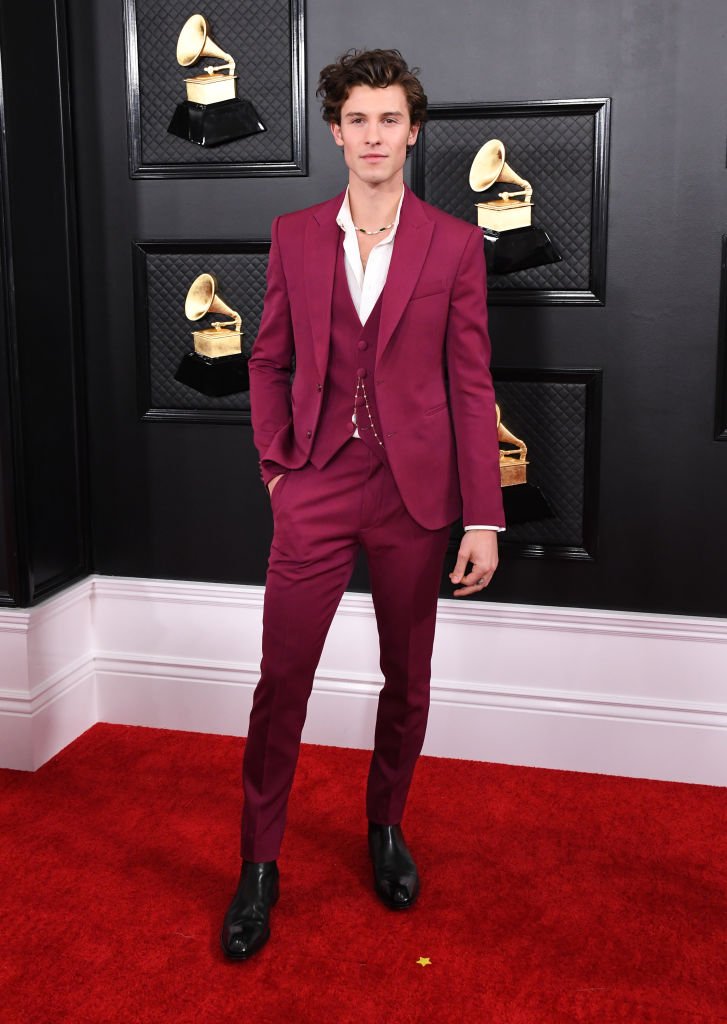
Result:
pixel 211 124
pixel 520 249
pixel 524 502
pixel 223 375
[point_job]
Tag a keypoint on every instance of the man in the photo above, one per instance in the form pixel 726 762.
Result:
pixel 376 296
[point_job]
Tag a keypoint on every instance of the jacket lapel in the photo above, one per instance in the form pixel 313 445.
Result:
pixel 411 245
pixel 322 236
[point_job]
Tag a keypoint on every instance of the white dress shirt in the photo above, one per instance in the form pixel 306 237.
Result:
pixel 366 285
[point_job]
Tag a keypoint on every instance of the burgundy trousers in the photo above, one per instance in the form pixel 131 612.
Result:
pixel 321 518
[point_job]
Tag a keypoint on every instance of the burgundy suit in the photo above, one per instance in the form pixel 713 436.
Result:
pixel 395 492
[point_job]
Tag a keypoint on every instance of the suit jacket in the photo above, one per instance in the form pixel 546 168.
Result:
pixel 442 448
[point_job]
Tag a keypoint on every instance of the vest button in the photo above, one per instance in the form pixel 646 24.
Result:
pixel 361 372
pixel 362 345
pixel 319 387
pixel 309 433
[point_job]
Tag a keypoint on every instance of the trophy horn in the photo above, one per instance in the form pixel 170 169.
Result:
pixel 202 298
pixel 489 166
pixel 195 42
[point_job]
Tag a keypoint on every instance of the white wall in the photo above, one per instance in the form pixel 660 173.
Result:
pixel 623 693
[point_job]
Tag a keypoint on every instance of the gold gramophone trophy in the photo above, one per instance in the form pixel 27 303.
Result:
pixel 217 366
pixel 507 199
pixel 522 500
pixel 513 461
pixel 212 113
pixel 505 214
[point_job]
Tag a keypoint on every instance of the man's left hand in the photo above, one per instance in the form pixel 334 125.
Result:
pixel 480 548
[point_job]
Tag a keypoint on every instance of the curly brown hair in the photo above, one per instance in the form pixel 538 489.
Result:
pixel 375 68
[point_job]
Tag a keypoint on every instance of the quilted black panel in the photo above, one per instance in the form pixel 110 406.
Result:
pixel 551 418
pixel 241 281
pixel 554 151
pixel 258 35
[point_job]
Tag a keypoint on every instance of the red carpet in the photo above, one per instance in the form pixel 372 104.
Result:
pixel 559 897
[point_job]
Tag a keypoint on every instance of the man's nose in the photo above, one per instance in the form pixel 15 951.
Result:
pixel 372 134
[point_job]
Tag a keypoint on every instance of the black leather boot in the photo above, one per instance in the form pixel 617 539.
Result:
pixel 396 879
pixel 247 922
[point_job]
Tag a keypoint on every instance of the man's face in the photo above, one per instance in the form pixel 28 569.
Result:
pixel 374 132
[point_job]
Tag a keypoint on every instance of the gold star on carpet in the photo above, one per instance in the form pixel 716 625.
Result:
pixel 424 961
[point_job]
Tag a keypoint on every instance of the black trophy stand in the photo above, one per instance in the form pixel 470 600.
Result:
pixel 518 249
pixel 524 503
pixel 210 124
pixel 214 376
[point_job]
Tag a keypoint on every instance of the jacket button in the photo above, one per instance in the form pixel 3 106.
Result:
pixel 319 387
pixel 362 345
pixel 361 372
pixel 309 433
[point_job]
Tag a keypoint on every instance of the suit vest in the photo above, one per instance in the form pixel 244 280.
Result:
pixel 351 363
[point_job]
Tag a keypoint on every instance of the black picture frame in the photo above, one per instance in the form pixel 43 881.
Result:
pixel 537 544
pixel 562 111
pixel 233 409
pixel 591 380
pixel 720 426
pixel 296 165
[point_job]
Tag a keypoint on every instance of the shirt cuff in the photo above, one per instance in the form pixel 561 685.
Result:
pixel 497 529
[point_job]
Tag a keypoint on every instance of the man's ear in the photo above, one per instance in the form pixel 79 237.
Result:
pixel 413 134
pixel 336 132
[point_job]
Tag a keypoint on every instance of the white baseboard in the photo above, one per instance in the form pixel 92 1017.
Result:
pixel 596 691
pixel 47 681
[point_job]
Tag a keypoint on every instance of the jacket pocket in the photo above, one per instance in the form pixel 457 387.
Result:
pixel 437 408
pixel 428 293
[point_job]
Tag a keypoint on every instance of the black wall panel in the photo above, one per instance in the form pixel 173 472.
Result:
pixel 184 500
pixel 7 532
pixel 4 559
pixel 43 451
pixel 720 426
